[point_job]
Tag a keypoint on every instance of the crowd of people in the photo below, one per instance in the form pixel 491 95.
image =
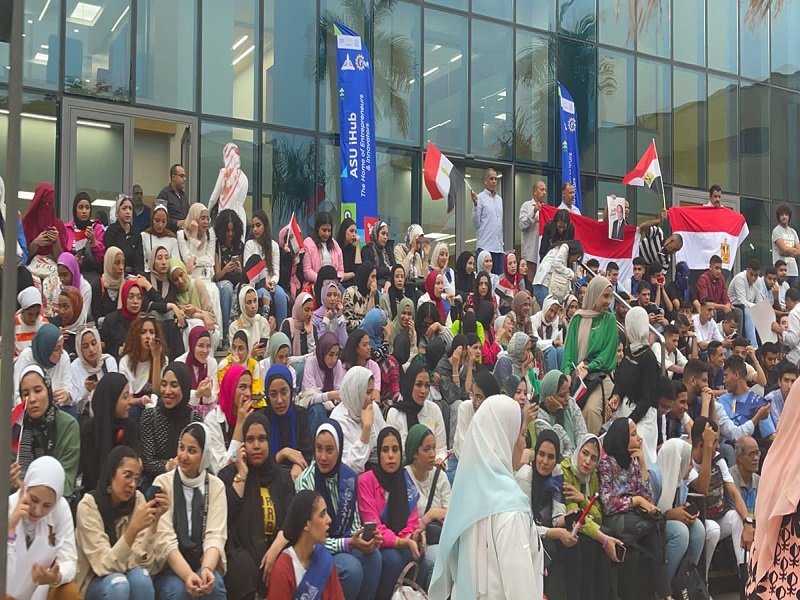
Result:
pixel 204 409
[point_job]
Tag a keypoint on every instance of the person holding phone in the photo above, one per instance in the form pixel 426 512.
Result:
pixel 255 325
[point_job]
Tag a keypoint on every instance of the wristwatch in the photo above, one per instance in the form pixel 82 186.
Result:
pixel 238 478
pixel 749 521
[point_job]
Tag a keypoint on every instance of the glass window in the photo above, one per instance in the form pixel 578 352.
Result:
pixel 690 31
pixel 396 59
pixel 577 71
pixel 492 89
pixel 723 132
pixel 786 46
pixel 540 14
pixel 499 9
pixel 290 183
pixel 37 159
pixel 40 56
pixel 99 159
pixel 329 181
pixel 616 113
pixel 723 35
pixel 654 112
pixel 577 18
pixel 754 139
pixel 785 145
pixel 690 120
pixel 399 174
pixel 289 75
pixel 649 205
pixel 166 53
pixel 445 79
pixel 524 181
pixel 534 131
pixel 213 137
pixel 98 49
pixel 230 58
pixel 754 48
pixel 654 35
pixel 615 26
pixel 759 242
pixel 458 4
pixel 588 195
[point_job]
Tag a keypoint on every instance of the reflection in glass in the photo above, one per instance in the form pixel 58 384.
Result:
pixel 533 131
pixel 497 9
pixel 754 49
pixel 654 112
pixel 615 132
pixel 588 195
pixel 445 80
pixel 723 133
pixel 615 26
pixel 654 37
pixel 723 29
pixel 457 4
pixel 398 190
pixel 786 46
pixel 577 19
pixel 690 32
pixel 492 89
pixel 577 71
pixel 166 53
pixel 99 155
pixel 785 145
pixel 759 241
pixel 540 14
pixel 754 139
pixel 213 137
pixel 229 58
pixel 41 49
pixel 690 122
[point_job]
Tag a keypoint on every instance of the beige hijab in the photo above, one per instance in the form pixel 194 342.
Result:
pixel 596 288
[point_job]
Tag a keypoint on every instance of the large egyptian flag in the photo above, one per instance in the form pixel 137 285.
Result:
pixel 707 230
pixel 593 235
pixel 647 172
pixel 442 179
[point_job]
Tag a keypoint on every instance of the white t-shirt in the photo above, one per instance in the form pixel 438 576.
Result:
pixel 723 468
pixel 790 238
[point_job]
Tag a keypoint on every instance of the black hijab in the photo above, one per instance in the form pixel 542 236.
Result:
pixel 407 404
pixel 545 488
pixel 178 416
pixel 464 283
pixel 299 514
pixel 397 508
pixel 395 295
pixel 102 493
pixel 326 273
pixel 79 225
pixel 434 352
pixel 468 323
pixel 401 348
pixel 484 314
pixel 616 442
pixel 362 277
pixel 486 382
pixel 107 430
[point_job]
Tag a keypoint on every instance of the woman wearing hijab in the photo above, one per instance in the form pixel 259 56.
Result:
pixel 489 517
pixel 84 236
pixel 47 352
pixel 230 189
pixel 555 274
pixel 160 297
pixel 465 274
pixel 322 379
pixel 306 568
pixel 350 244
pixel 161 425
pixel 403 323
pixel 290 434
pixel 91 365
pixel 380 252
pixel 240 355
pixel 69 318
pixel 362 297
pixel 121 234
pixel 192 533
pixel 47 239
pixel 360 418
pixel 375 325
pixel 116 530
pixel 110 426
pixel 484 385
pixel 299 328
pixel 225 422
pixel 559 412
pixel 329 316
pixel 509 283
pixel 28 319
pixel 434 293
pixel 490 350
pixel 194 300
pixel 280 353
pixel 158 234
pixel 440 258
pixel 256 326
pixel 451 379
pixel 523 306
pixel 42 558
pixel 390 300
pixel 545 324
pixel 106 291
pixel 259 493
pixel 485 263
pixel 202 371
pixel 388 497
pixel 413 253
pixel 592 344
pixel 114 329
pixel 69 273
pixel 518 359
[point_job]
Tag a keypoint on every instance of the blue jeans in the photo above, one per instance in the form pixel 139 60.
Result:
pixel 679 540
pixel 316 415
pixel 452 465
pixel 225 303
pixel 133 585
pixel 497 261
pixel 553 357
pixel 540 292
pixel 394 561
pixel 359 573
pixel 171 587
pixel 70 410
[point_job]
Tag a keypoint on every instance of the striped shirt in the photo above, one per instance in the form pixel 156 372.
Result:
pixel 650 247
pixel 306 482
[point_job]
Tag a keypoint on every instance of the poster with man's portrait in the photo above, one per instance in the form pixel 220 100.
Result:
pixel 616 217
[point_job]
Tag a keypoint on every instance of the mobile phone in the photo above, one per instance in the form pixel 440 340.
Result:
pixel 657 311
pixel 92 377
pixel 692 510
pixel 151 493
pixel 369 531
pixel 622 552
pixel 263 341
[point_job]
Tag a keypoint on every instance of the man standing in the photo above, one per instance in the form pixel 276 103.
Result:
pixel 785 242
pixel 175 197
pixel 141 213
pixel 568 198
pixel 714 196
pixel 529 226
pixel 487 219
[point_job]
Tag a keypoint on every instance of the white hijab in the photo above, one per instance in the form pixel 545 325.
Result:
pixel 354 389
pixel 673 461
pixel 539 321
pixel 637 328
pixel 205 460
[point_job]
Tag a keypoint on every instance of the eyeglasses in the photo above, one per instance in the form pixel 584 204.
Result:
pixel 131 476
pixel 754 454
pixel 284 393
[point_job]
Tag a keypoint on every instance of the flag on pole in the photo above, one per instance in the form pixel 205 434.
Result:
pixel 706 231
pixel 296 241
pixel 442 179
pixel 647 172
pixel 17 420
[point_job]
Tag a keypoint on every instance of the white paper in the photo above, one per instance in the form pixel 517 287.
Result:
pixel 763 316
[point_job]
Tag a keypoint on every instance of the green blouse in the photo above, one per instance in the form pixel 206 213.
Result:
pixel 592 526
pixel 601 354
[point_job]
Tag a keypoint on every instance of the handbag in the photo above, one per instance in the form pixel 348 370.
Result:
pixel 406 587
pixel 433 530
pixel 559 285
pixel 688 584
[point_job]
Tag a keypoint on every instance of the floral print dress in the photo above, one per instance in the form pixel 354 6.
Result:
pixel 782 579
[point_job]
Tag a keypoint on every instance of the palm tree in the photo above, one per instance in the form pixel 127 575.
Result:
pixel 295 180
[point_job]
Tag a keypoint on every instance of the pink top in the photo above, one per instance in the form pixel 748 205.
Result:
pixel 99 249
pixel 372 500
pixel 312 262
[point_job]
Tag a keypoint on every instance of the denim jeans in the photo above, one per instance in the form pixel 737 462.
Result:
pixel 452 465
pixel 316 415
pixel 394 561
pixel 171 587
pixel 681 539
pixel 540 292
pixel 133 585
pixel 225 302
pixel 553 358
pixel 359 573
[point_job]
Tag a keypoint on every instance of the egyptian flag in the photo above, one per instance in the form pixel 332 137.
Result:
pixel 647 172
pixel 296 241
pixel 79 242
pixel 593 235
pixel 706 231
pixel 256 270
pixel 17 416
pixel 442 179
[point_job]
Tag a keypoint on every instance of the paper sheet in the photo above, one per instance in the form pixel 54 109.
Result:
pixel 764 316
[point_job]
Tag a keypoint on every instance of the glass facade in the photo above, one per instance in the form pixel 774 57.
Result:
pixel 719 93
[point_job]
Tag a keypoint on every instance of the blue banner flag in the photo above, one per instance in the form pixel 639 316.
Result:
pixel 356 124
pixel 570 166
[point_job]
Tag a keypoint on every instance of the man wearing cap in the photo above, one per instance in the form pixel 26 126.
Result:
pixel 28 319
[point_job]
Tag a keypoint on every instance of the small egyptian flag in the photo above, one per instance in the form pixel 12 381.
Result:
pixel 647 172
pixel 442 179
pixel 257 272
pixel 17 416
pixel 296 240
pixel 79 242
pixel 580 391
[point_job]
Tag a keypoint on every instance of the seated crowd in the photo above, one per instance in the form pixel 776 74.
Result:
pixel 213 412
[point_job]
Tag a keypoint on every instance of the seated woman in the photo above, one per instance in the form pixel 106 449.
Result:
pixel 376 325
pixel 403 324
pixel 555 274
pixel 509 284
pixel 42 558
pixel 280 353
pixel 229 230
pixel 434 292
pixel 291 271
pixel 262 246
pixel 194 301
pixel 240 355
pixel 329 316
pixel 47 352
pixel 69 273
pixel 482 292
pixel 192 534
pixel 90 367
pixel 415 408
pixel 225 421
pixel 161 425
pixel 306 568
pixel 322 379
pixel 105 292
pixel 350 245
pixel 109 426
pixel 143 357
pixel 69 318
pixel 522 306
pixel 379 252
pixel 256 326
pixel 28 319
pixel 358 353
pixel 390 300
pixel 197 243
pixel 546 328
pixel 388 497
pixel 439 263
pixel 290 435
pixel 465 274
pixel 490 350
pixel 300 330
pixel 121 234
pixel 162 298
pixel 321 249
pixel 114 329
pixel 625 486
pixel 259 493
pixel 453 378
pixel 362 297
pixel 158 235
pixel 414 253
pixel 432 486
pixel 484 385
pixel 486 263
pixel 360 418
pixel 85 236
pixel 559 412
pixel 116 532
pixel 202 371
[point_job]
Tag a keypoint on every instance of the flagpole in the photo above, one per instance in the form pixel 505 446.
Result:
pixel 663 193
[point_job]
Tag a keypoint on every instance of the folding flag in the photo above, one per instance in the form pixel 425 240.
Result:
pixel 580 391
pixel 647 172
pixel 257 272
pixel 79 242
pixel 442 179
pixel 17 416
pixel 369 222
pixel 296 241
pixel 707 230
